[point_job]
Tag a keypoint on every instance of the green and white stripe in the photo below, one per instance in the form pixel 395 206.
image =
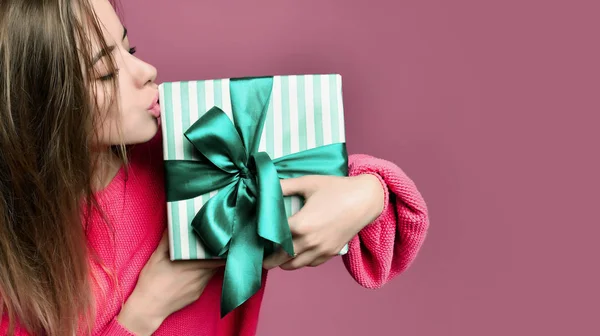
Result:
pixel 305 112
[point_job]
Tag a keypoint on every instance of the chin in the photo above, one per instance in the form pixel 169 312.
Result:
pixel 142 134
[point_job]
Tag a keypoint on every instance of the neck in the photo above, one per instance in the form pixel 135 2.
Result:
pixel 105 168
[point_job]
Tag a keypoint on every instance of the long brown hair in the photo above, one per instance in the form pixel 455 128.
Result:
pixel 47 122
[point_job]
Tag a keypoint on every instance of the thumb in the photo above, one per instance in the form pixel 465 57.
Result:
pixel 301 186
pixel 163 245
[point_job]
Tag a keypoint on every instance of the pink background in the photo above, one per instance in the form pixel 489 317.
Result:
pixel 490 106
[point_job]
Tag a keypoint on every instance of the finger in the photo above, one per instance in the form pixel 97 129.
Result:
pixel 320 261
pixel 300 223
pixel 301 260
pixel 163 245
pixel 211 263
pixel 300 245
pixel 301 186
pixel 165 237
pixel 275 259
pixel 201 264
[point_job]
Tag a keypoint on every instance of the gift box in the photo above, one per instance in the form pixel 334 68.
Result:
pixel 226 144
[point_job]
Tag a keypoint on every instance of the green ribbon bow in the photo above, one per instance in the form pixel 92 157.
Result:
pixel 246 220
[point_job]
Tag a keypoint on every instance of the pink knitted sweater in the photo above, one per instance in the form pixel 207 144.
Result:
pixel 135 206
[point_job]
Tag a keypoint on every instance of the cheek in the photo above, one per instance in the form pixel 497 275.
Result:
pixel 123 120
pixel 126 95
pixel 101 103
pixel 104 102
pixel 106 119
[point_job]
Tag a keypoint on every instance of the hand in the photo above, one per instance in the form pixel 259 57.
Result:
pixel 164 287
pixel 335 210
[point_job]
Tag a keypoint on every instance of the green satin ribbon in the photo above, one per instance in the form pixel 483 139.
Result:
pixel 246 220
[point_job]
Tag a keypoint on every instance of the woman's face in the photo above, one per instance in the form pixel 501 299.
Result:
pixel 137 110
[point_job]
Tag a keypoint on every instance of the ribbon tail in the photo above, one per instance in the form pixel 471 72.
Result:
pixel 213 223
pixel 243 268
pixel 272 219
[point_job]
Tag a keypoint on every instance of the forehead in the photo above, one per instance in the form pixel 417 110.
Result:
pixel 111 26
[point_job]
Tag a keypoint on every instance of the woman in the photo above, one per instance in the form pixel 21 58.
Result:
pixel 82 210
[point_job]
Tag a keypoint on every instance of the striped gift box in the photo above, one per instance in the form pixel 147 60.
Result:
pixel 305 112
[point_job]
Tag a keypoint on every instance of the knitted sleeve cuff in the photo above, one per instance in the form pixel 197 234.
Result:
pixel 387 246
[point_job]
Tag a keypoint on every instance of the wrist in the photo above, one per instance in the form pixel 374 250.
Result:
pixel 375 195
pixel 138 317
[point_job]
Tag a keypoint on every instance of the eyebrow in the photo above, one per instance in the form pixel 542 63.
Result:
pixel 105 52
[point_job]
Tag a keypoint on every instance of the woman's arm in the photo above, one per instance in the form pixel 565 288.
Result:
pixel 387 246
pixel 377 209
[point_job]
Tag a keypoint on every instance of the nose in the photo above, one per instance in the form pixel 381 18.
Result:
pixel 145 73
pixel 150 73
